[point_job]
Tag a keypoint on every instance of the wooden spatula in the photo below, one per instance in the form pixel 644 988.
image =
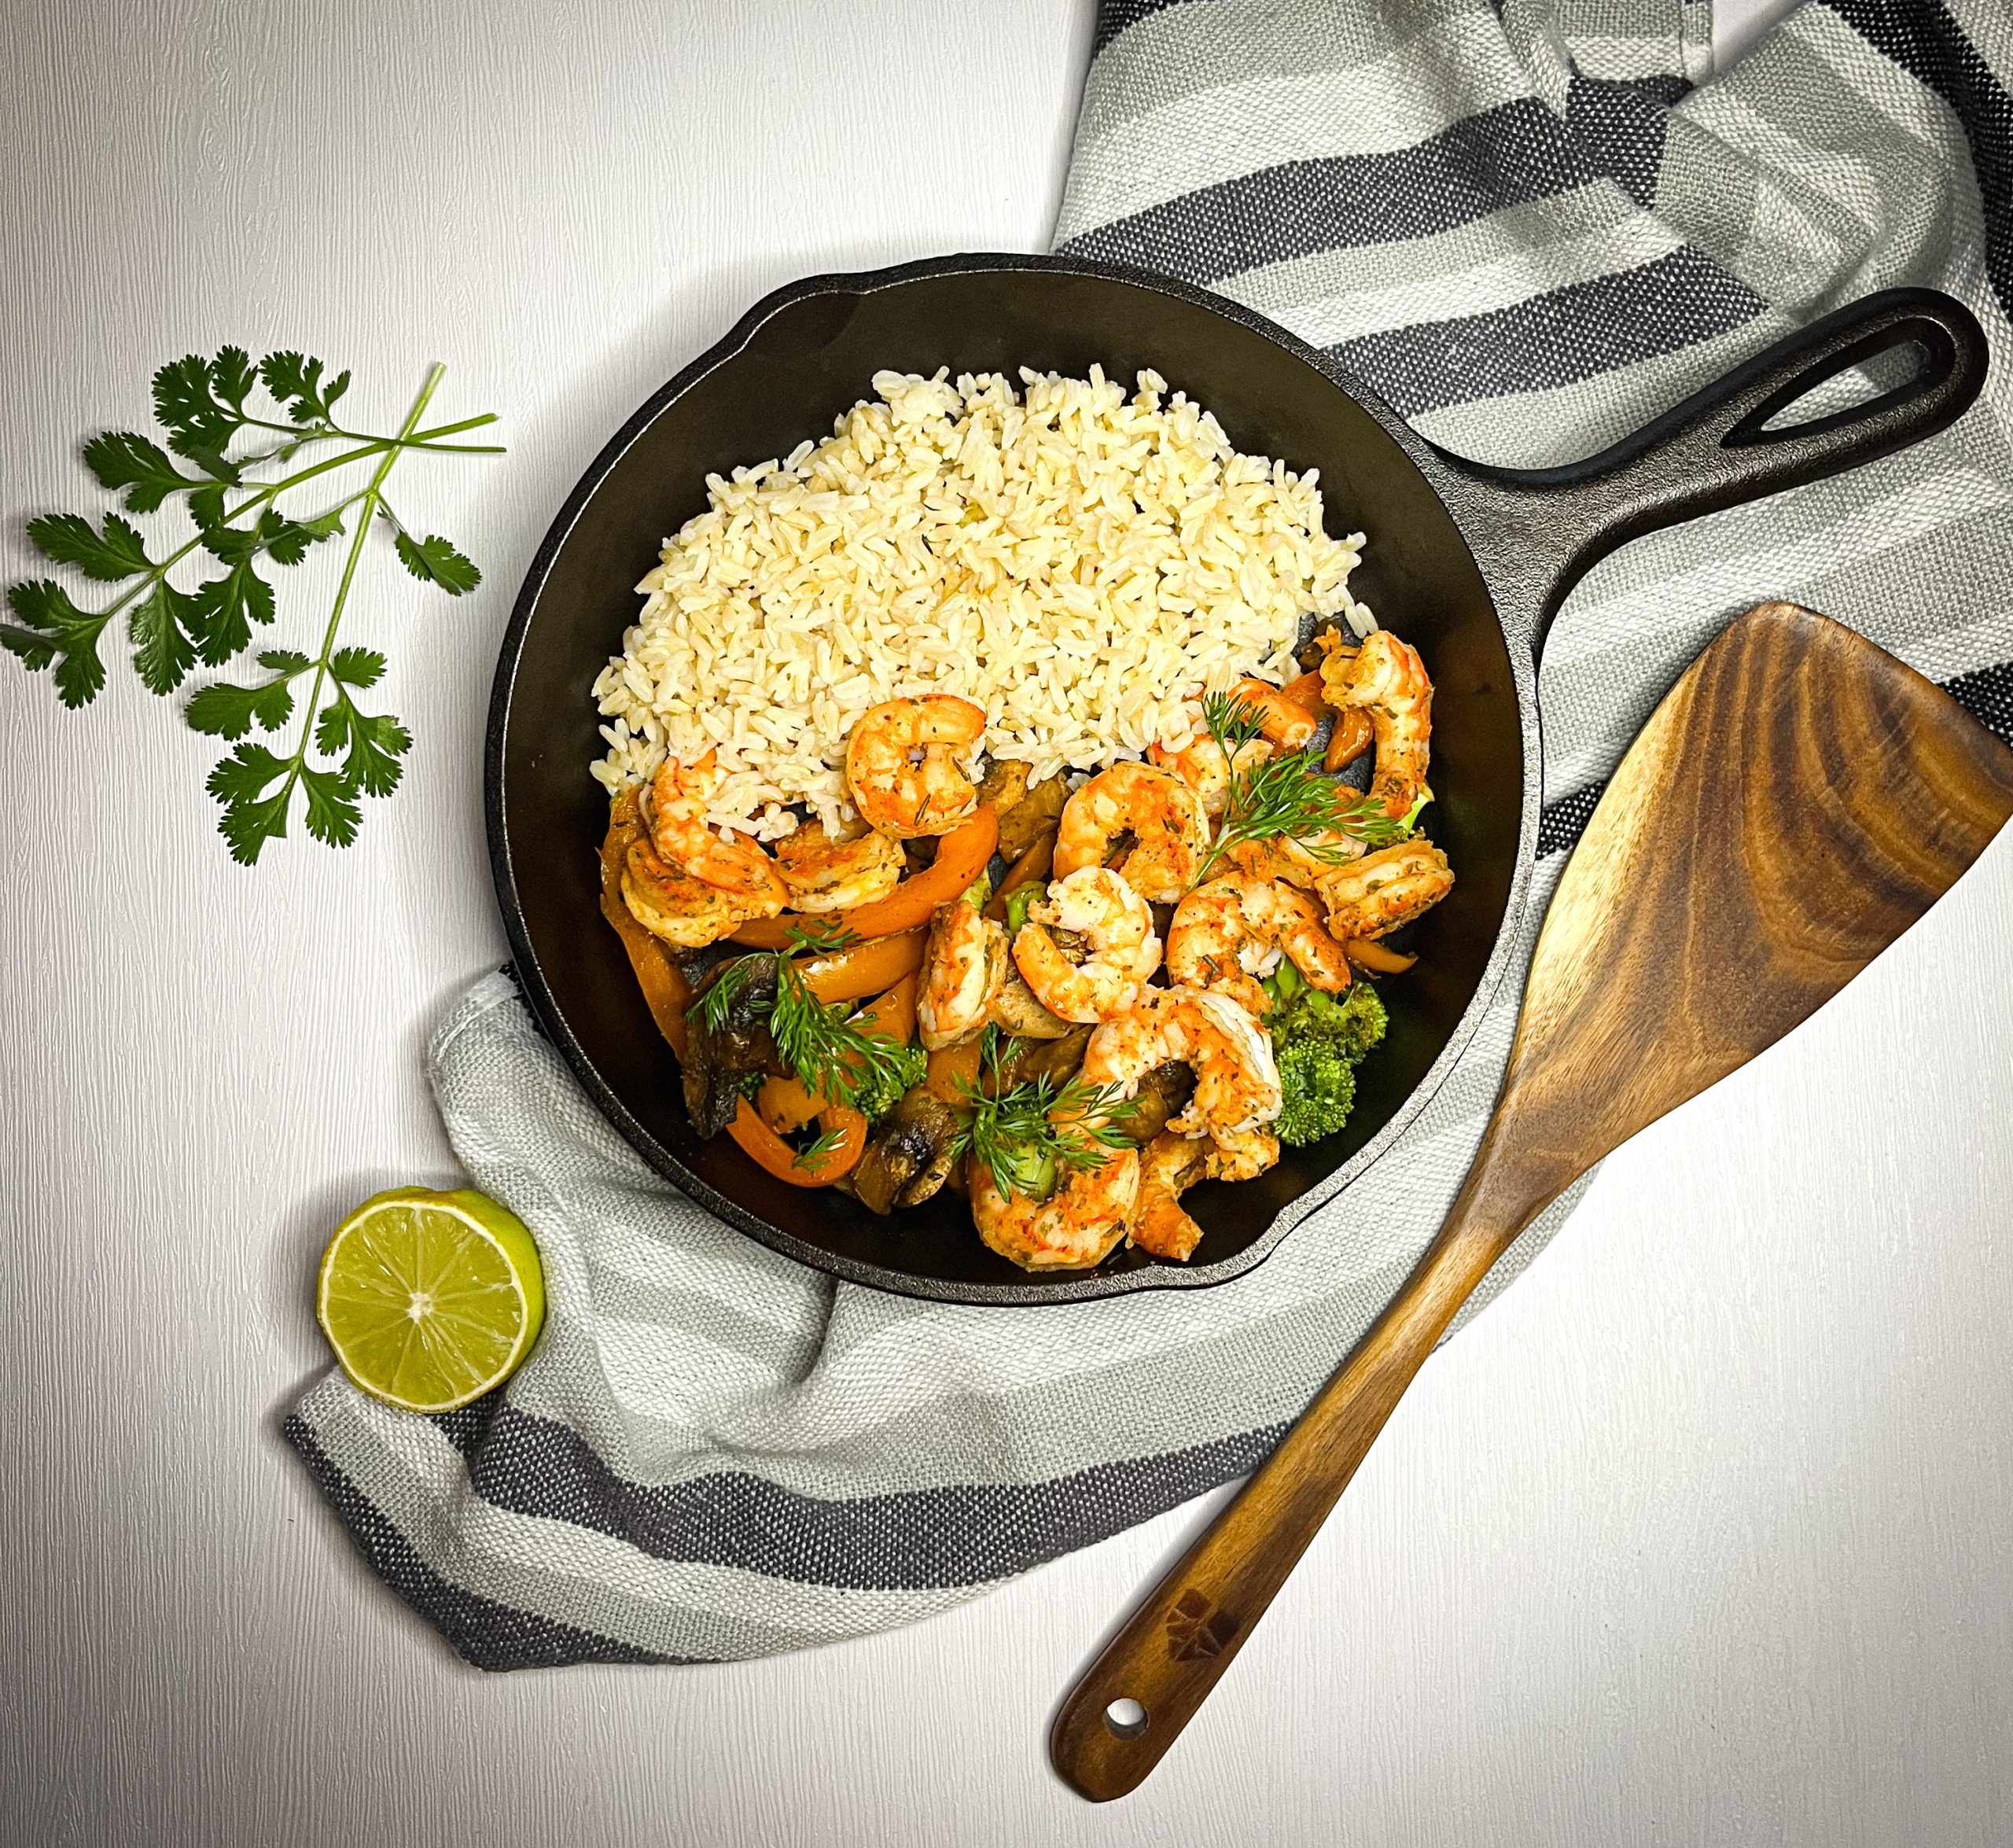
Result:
pixel 1798 800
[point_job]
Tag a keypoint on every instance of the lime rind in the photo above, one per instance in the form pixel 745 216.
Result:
pixel 430 1299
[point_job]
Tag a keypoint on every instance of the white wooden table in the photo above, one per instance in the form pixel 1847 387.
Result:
pixel 1701 1535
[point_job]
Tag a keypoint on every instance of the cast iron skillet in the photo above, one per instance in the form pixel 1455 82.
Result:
pixel 1467 562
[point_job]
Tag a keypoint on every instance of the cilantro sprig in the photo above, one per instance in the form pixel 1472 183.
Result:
pixel 1029 1134
pixel 240 451
pixel 1287 794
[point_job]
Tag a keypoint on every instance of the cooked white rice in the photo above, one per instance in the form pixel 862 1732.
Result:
pixel 1083 564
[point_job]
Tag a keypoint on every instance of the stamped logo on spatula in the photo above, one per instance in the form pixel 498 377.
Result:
pixel 1196 1628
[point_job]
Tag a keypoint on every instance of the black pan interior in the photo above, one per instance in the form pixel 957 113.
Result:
pixel 807 362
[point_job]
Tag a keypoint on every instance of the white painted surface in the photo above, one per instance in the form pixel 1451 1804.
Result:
pixel 1701 1535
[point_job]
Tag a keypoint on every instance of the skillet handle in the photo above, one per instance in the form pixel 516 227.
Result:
pixel 1536 532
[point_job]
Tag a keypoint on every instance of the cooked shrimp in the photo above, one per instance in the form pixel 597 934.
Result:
pixel 1387 679
pixel 1284 723
pixel 1304 863
pixel 1372 896
pixel 1170 1164
pixel 1237 1084
pixel 1240 1154
pixel 1202 764
pixel 677 906
pixel 1298 863
pixel 1211 945
pixel 1227 932
pixel 1074 1227
pixel 679 834
pixel 1157 808
pixel 1096 906
pixel 962 968
pixel 902 764
pixel 824 874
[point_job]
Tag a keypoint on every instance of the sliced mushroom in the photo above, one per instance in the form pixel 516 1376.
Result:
pixel 1164 1093
pixel 1168 1165
pixel 911 1154
pixel 1015 1010
pixel 1035 813
pixel 717 1061
pixel 1003 785
pixel 1023 1061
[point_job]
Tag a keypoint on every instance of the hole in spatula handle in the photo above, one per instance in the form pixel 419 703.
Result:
pixel 1125 1718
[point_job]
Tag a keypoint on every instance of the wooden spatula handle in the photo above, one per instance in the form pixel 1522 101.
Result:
pixel 1182 1638
pixel 1702 917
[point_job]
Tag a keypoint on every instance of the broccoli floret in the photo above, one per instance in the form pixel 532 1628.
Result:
pixel 887 1086
pixel 1318 1087
pixel 1355 1021
pixel 1317 1040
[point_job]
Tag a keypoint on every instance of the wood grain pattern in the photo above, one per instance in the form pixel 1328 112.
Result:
pixel 1799 800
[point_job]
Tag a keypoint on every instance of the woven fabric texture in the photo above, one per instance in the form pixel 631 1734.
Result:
pixel 1531 226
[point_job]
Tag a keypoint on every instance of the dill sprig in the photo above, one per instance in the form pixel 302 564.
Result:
pixel 816 1039
pixel 1027 1135
pixel 821 937
pixel 1288 794
pixel 814 1152
pixel 822 1046
pixel 711 1009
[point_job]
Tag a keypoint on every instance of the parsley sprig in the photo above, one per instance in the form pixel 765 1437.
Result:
pixel 225 436
pixel 1027 1135
pixel 1287 794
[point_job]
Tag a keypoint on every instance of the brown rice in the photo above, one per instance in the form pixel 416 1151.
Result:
pixel 1082 564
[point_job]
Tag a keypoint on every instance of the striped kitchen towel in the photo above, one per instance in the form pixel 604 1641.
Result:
pixel 1531 224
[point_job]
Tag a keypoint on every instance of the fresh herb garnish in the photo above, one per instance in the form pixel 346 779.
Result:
pixel 814 1151
pixel 341 753
pixel 1027 1135
pixel 1288 794
pixel 816 1039
pixel 822 1046
pixel 711 1009
pixel 819 936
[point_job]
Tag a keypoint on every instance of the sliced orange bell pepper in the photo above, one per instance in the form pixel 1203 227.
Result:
pixel 892 1016
pixel 1304 691
pixel 665 990
pixel 867 967
pixel 1033 865
pixel 773 933
pixel 762 1145
pixel 961 857
pixel 953 1071
pixel 785 1103
pixel 1375 957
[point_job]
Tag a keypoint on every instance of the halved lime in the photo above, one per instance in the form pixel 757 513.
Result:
pixel 429 1299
